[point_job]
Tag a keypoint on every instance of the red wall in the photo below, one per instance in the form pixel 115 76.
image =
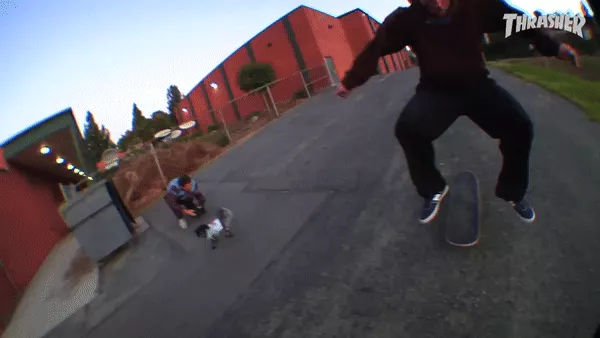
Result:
pixel 281 55
pixel 8 299
pixel 311 52
pixel 358 28
pixel 346 37
pixel 330 36
pixel 247 104
pixel 220 97
pixel 27 233
pixel 200 107
pixel 359 32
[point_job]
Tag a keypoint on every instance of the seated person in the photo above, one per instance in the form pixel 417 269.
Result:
pixel 184 197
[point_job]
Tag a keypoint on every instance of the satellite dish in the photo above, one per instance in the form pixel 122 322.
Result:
pixel 187 125
pixel 110 158
pixel 110 154
pixel 175 134
pixel 162 134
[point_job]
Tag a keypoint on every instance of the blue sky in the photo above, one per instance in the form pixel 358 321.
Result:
pixel 103 56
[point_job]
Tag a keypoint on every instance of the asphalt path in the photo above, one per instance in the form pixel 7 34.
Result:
pixel 328 244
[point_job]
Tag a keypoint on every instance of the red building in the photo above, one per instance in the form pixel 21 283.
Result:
pixel 303 39
pixel 32 165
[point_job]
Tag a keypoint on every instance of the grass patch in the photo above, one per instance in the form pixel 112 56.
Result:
pixel 581 86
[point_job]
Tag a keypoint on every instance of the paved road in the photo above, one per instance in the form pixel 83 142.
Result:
pixel 328 244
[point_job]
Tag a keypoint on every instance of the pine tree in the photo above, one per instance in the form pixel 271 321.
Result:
pixel 138 120
pixel 174 97
pixel 97 139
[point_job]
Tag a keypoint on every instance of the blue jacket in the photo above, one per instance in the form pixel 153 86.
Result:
pixel 176 192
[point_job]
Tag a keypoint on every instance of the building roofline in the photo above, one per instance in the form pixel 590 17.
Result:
pixel 37 125
pixel 244 44
pixel 37 132
pixel 361 11
pixel 264 29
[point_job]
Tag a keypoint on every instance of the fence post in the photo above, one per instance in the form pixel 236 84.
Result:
pixel 272 100
pixel 329 74
pixel 304 83
pixel 225 125
pixel 162 175
pixel 264 96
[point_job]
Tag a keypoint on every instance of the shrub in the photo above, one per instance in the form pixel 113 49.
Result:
pixel 196 134
pixel 300 94
pixel 223 140
pixel 213 127
pixel 252 115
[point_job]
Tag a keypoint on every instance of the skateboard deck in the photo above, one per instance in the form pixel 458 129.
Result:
pixel 464 210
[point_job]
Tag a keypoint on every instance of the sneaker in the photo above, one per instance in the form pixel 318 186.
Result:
pixel 431 207
pixel 183 224
pixel 228 233
pixel 524 210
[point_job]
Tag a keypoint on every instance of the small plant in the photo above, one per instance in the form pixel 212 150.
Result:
pixel 213 127
pixel 199 133
pixel 251 116
pixel 223 140
pixel 300 94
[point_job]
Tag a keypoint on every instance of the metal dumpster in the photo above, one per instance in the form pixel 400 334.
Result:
pixel 99 219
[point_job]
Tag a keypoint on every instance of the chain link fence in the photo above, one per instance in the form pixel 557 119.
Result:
pixel 249 113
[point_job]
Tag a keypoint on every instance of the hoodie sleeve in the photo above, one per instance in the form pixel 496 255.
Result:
pixel 391 37
pixel 493 18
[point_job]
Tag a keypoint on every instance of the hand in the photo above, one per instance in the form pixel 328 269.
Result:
pixel 189 212
pixel 342 91
pixel 568 53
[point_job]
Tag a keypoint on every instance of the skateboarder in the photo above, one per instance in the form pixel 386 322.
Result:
pixel 184 197
pixel 446 36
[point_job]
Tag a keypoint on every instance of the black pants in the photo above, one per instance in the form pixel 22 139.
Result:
pixel 432 110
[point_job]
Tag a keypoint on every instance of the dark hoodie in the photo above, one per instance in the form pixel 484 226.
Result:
pixel 448 53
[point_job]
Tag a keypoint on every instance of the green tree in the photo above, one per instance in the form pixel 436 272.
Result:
pixel 174 97
pixel 126 140
pixel 138 120
pixel 255 75
pixel 97 139
pixel 161 120
pixel 141 126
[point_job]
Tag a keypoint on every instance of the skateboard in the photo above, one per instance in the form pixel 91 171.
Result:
pixel 464 211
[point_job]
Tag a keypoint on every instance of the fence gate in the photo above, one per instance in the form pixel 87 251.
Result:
pixel 331 69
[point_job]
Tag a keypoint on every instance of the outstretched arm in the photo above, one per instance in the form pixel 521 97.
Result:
pixel 391 37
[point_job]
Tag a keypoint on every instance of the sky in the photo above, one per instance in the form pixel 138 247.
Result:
pixel 105 55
